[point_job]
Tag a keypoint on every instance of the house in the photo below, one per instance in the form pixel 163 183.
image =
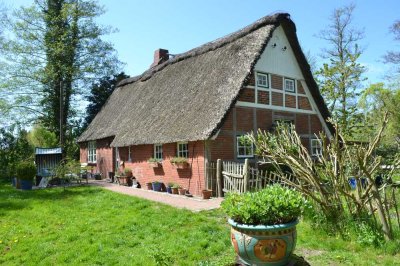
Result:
pixel 198 104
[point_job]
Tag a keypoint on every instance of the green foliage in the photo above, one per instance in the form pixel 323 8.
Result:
pixel 99 94
pixel 179 160
pixel 272 205
pixel 14 147
pixel 26 170
pixel 339 79
pixel 53 52
pixel 127 170
pixel 68 170
pixel 154 160
pixel 41 137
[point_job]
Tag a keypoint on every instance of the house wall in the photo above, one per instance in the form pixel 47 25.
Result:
pixel 191 178
pixel 104 156
pixel 259 107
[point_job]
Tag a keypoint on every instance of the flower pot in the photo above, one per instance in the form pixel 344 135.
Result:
pixel 181 165
pixel 157 186
pixel 129 181
pixel 206 193
pixel 26 184
pixel 169 190
pixel 181 191
pixel 263 244
pixel 174 190
pixel 149 186
pixel 97 176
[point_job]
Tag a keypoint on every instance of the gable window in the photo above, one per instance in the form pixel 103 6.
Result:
pixel 290 85
pixel 244 147
pixel 262 80
pixel 183 150
pixel 316 147
pixel 158 152
pixel 92 151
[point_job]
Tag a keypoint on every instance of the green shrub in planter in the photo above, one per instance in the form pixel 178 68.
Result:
pixel 263 224
pixel 26 171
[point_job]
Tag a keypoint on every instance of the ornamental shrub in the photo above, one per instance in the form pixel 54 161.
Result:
pixel 272 205
pixel 26 170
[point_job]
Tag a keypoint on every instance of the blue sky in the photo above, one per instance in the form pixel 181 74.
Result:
pixel 180 25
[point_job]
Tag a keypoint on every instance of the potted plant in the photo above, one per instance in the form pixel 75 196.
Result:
pixel 154 162
pixel 174 189
pixel 149 186
pixel 121 177
pixel 157 186
pixel 263 224
pixel 181 190
pixel 180 162
pixel 169 188
pixel 207 193
pixel 26 171
pixel 128 176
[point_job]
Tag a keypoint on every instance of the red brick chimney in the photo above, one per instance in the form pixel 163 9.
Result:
pixel 160 56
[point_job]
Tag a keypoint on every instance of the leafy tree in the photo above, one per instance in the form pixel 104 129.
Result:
pixel 41 137
pixel 99 93
pixel 14 147
pixel 55 51
pixel 340 78
pixel 394 56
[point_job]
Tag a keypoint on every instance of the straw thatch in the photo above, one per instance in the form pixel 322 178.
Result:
pixel 187 97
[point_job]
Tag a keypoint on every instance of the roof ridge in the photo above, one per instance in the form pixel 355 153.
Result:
pixel 209 46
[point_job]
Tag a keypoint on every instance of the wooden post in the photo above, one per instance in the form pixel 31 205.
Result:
pixel 219 178
pixel 246 174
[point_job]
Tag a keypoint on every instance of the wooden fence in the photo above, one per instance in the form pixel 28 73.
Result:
pixel 225 176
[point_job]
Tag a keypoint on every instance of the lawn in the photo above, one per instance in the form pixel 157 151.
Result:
pixel 90 225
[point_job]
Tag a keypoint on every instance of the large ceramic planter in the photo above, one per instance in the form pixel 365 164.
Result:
pixel 26 184
pixel 174 190
pixel 264 244
pixel 169 190
pixel 206 193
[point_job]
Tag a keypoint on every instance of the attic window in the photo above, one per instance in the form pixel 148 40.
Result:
pixel 262 80
pixel 290 85
pixel 183 150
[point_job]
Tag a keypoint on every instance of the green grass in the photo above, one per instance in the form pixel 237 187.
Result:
pixel 93 226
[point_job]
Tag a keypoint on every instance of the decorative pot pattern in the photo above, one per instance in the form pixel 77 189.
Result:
pixel 264 245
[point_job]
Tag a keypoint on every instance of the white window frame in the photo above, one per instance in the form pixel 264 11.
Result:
pixel 91 152
pixel 292 88
pixel 316 147
pixel 158 151
pixel 266 78
pixel 181 151
pixel 239 145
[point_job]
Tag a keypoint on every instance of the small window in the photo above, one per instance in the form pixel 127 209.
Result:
pixel 262 80
pixel 158 152
pixel 244 147
pixel 290 85
pixel 92 151
pixel 183 150
pixel 316 147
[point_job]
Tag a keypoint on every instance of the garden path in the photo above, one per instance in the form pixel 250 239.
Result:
pixel 194 204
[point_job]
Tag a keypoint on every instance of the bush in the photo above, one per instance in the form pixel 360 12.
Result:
pixel 272 205
pixel 26 170
pixel 179 160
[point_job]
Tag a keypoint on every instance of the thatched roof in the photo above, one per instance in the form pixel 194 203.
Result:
pixel 187 97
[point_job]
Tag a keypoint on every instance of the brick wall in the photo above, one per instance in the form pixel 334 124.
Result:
pixel 191 178
pixel 104 156
pixel 276 82
pixel 247 95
